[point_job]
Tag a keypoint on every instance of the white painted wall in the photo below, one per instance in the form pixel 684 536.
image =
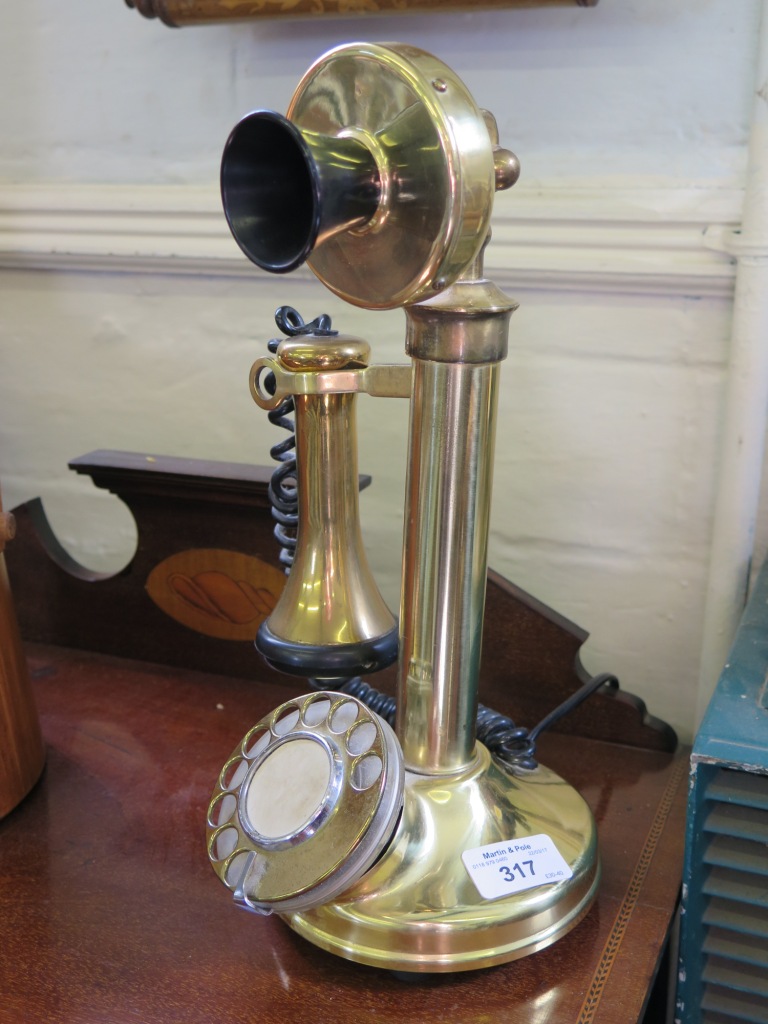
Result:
pixel 631 123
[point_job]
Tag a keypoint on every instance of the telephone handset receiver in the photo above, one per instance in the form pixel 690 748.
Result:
pixel 306 803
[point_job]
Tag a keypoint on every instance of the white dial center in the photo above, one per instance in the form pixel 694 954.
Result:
pixel 288 788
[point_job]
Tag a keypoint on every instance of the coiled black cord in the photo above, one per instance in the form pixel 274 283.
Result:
pixel 283 494
pixel 282 490
pixel 513 745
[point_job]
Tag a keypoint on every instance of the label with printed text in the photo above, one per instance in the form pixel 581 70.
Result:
pixel 501 869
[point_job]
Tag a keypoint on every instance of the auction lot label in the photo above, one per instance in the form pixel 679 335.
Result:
pixel 501 869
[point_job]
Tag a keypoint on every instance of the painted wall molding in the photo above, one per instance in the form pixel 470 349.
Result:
pixel 552 235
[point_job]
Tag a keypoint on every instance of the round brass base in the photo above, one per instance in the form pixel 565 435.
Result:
pixel 417 909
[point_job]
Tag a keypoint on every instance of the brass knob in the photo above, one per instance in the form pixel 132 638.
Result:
pixel 506 168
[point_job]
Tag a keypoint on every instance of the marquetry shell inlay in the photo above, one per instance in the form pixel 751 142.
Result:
pixel 225 594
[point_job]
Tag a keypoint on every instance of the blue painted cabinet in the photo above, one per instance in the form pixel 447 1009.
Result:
pixel 723 969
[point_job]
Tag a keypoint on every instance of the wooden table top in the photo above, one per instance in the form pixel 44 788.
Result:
pixel 110 912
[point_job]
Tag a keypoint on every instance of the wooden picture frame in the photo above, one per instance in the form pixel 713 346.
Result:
pixel 177 13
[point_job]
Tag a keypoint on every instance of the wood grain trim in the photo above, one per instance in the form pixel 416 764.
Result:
pixel 616 936
pixel 177 13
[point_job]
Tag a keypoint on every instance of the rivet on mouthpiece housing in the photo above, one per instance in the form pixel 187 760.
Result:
pixel 439 85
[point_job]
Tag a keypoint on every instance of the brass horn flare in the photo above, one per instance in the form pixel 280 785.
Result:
pixel 285 191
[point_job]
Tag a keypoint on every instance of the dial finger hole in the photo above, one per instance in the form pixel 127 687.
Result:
pixel 222 809
pixel 224 844
pixel 233 773
pixel 361 738
pixel 286 720
pixel 255 741
pixel 316 711
pixel 366 772
pixel 235 869
pixel 343 717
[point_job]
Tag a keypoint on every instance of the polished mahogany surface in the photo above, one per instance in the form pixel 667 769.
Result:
pixel 110 912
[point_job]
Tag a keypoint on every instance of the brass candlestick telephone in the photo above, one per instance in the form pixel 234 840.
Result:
pixel 415 849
